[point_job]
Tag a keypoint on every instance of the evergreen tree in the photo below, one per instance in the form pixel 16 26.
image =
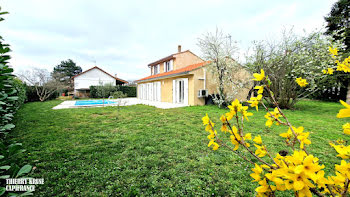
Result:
pixel 339 20
pixel 65 71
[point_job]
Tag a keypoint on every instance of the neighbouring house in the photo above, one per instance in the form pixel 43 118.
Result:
pixel 93 77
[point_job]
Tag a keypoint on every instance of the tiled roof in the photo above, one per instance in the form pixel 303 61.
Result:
pixel 102 71
pixel 177 71
pixel 172 56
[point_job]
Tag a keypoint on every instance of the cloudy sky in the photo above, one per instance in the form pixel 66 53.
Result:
pixel 124 36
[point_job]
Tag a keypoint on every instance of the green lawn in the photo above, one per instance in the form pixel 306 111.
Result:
pixel 142 150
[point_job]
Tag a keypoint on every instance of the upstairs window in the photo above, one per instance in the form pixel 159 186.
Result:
pixel 156 69
pixel 168 65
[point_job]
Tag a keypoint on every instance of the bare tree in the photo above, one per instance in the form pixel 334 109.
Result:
pixel 42 81
pixel 220 50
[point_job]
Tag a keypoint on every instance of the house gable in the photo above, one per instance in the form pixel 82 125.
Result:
pixel 180 71
pixel 93 77
pixel 184 59
pixel 175 61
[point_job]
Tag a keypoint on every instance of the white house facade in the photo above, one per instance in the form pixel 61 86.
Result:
pixel 93 77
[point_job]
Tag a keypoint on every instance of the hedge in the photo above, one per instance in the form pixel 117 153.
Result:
pixel 21 92
pixel 32 96
pixel 108 90
pixel 130 91
pixel 12 95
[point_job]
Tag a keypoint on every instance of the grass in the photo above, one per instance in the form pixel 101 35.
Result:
pixel 144 151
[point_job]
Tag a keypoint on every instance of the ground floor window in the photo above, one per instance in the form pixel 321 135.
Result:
pixel 150 91
pixel 180 91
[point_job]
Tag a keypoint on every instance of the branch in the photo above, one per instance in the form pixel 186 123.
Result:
pixel 243 144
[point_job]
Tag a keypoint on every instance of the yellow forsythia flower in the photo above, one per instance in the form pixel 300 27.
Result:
pixel 270 119
pixel 344 169
pixel 223 119
pixel 229 115
pixel 344 151
pixel 257 139
pixel 254 101
pixel 328 71
pixel 264 188
pixel 257 171
pixel 248 136
pixel 303 139
pixel 346 128
pixel 321 181
pixel 235 106
pixel 309 167
pixel 205 119
pixel 333 51
pixel 214 144
pixel 260 151
pixel 301 82
pixel 208 123
pixel 234 142
pixel 344 113
pixel 244 112
pixel 260 89
pixel 259 77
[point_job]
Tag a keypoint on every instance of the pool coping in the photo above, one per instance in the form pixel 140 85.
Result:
pixel 120 102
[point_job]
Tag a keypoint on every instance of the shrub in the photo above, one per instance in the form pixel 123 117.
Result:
pixel 297 171
pixel 293 56
pixel 128 90
pixel 118 94
pixel 32 96
pixel 93 91
pixel 21 92
pixel 11 98
pixel 106 90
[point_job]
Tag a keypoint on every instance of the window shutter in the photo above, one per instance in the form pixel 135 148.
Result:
pixel 159 91
pixel 186 91
pixel 158 68
pixel 171 65
pixel 174 91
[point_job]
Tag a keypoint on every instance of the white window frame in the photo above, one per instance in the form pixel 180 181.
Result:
pixel 168 65
pixel 176 93
pixel 156 69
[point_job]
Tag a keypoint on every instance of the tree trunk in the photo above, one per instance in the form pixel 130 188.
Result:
pixel 348 95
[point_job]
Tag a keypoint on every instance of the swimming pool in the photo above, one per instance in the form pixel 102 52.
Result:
pixel 94 102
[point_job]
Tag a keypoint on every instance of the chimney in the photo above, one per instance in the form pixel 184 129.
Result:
pixel 115 75
pixel 179 48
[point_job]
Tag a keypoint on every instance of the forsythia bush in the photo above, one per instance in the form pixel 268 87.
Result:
pixel 299 171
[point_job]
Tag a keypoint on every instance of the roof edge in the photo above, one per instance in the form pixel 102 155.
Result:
pixel 169 57
pixel 116 78
pixel 165 77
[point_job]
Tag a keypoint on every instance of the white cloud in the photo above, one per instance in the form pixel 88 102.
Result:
pixel 124 36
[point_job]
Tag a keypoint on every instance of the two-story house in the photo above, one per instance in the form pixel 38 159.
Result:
pixel 179 78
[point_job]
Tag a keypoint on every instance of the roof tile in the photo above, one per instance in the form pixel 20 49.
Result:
pixel 102 71
pixel 177 71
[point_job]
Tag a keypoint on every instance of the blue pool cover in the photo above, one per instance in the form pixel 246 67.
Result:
pixel 94 102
